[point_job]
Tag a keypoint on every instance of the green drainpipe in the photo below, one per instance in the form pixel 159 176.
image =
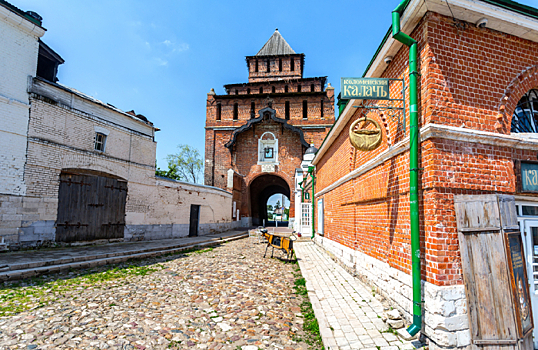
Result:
pixel 311 172
pixel 413 164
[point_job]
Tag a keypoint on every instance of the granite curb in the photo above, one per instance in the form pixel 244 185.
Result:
pixel 21 271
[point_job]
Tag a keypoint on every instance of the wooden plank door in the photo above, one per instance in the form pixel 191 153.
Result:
pixel 194 220
pixel 90 207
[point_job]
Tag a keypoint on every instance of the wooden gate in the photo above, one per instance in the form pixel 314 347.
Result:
pixel 90 207
pixel 494 272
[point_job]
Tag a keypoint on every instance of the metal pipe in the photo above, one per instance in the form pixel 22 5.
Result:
pixel 413 164
pixel 311 172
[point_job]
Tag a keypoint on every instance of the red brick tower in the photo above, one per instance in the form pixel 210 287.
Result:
pixel 257 133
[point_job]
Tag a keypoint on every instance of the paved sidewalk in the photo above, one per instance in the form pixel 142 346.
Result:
pixel 16 265
pixel 348 314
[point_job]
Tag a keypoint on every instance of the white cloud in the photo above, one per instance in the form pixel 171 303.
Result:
pixel 175 47
pixel 160 61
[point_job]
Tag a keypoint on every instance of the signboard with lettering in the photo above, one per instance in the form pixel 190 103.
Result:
pixel 519 282
pixel 365 89
pixel 527 176
pixel 268 168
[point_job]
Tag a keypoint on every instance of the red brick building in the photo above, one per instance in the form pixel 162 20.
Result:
pixel 478 65
pixel 257 133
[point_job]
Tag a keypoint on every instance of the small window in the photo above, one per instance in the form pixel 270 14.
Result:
pixel 292 65
pixel 298 88
pixel 321 109
pixel 268 65
pixel 273 90
pixel 252 109
pixel 286 88
pixel 287 110
pixel 529 210
pixel 100 142
pixel 261 90
pixel 236 111
pixel 280 64
pixel 305 109
pixel 268 153
pixel 256 66
pixel 268 148
pixel 236 92
pixel 312 88
pixel 248 91
pixel 219 110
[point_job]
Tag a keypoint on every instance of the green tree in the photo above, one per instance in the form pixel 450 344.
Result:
pixel 277 205
pixel 171 173
pixel 186 163
pixel 269 207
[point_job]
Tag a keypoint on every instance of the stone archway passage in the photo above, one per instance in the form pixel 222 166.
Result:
pixel 90 207
pixel 260 190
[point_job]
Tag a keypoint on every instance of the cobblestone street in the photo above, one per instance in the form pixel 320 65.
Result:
pixel 228 297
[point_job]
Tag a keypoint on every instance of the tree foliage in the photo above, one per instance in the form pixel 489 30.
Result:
pixel 186 165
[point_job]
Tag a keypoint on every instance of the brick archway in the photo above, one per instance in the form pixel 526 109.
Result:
pixel 260 189
pixel 519 86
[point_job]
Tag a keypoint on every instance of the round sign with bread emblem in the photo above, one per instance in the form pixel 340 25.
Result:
pixel 363 137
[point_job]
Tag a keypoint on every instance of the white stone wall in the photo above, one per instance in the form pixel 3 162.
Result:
pixel 445 322
pixel 61 137
pixel 18 60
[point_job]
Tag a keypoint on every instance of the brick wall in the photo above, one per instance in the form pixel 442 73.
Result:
pixel 19 60
pixel 470 79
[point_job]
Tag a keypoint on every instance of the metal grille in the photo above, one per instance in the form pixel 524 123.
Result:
pixel 525 118
pixel 305 215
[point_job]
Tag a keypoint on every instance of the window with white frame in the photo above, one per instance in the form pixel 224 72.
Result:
pixel 268 148
pixel 100 142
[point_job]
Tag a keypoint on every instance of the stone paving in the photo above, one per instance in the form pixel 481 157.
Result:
pixel 229 297
pixel 349 315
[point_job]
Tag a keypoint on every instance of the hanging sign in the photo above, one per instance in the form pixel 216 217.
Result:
pixel 364 89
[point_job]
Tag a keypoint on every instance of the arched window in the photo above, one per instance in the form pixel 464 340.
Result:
pixel 248 91
pixel 321 109
pixel 256 66
pixel 268 148
pixel 305 109
pixel 268 65
pixel 298 88
pixel 236 92
pixel 236 111
pixel 280 64
pixel 525 118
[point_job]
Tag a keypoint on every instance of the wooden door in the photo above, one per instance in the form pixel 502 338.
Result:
pixel 90 207
pixel 194 220
pixel 486 224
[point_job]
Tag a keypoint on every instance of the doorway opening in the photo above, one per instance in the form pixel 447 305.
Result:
pixel 278 210
pixel 261 189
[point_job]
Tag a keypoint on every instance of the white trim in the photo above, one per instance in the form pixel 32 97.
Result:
pixel 101 130
pixel 12 101
pixel 261 146
pixel 442 132
pixel 21 22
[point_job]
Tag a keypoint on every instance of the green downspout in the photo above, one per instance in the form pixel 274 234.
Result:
pixel 413 164
pixel 311 172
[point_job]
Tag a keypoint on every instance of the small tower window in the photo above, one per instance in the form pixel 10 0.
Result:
pixel 268 148
pixel 273 89
pixel 305 109
pixel 287 110
pixel 321 109
pixel 298 88
pixel 280 64
pixel 219 110
pixel 261 90
pixel 286 88
pixel 256 66
pixel 268 65
pixel 236 111
pixel 292 64
pixel 312 88
pixel 236 92
pixel 248 91
pixel 100 142
pixel 252 109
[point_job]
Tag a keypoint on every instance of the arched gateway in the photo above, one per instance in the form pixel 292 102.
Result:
pixel 257 132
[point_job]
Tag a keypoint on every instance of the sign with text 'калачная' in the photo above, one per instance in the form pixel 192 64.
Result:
pixel 364 89
pixel 529 177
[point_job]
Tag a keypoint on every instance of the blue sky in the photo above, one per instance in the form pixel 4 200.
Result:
pixel 162 57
